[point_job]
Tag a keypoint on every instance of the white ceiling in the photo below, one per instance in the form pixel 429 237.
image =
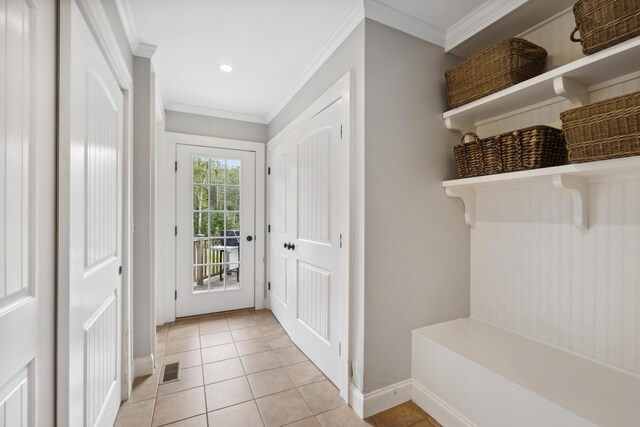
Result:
pixel 274 46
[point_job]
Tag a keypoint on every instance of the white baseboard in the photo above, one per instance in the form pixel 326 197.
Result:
pixel 438 409
pixel 379 400
pixel 356 400
pixel 143 366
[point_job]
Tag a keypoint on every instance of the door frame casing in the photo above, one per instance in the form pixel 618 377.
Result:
pixel 167 197
pixel 341 90
pixel 98 23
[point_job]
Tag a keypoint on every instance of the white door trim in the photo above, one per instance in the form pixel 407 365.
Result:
pixel 98 23
pixel 342 89
pixel 167 197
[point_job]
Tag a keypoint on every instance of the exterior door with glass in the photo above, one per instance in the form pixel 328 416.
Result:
pixel 216 230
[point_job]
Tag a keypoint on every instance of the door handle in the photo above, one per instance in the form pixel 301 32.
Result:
pixel 286 246
pixel 249 238
pixel 291 247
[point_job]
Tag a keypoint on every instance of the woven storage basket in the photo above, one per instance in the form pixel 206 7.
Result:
pixel 604 130
pixel 501 65
pixel 604 23
pixel 530 148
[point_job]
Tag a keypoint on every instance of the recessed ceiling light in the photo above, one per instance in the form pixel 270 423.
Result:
pixel 226 68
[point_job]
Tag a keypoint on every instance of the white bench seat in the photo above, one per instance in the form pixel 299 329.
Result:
pixel 469 373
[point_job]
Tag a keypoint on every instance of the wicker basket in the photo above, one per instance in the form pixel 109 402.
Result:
pixel 502 65
pixel 530 148
pixel 604 23
pixel 604 130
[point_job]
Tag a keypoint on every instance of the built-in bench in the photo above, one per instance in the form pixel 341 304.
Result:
pixel 469 373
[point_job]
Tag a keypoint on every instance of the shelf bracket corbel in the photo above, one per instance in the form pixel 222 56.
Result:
pixel 458 126
pixel 468 196
pixel 575 92
pixel 579 191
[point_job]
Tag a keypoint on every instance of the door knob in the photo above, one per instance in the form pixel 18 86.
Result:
pixel 286 246
pixel 249 238
pixel 291 246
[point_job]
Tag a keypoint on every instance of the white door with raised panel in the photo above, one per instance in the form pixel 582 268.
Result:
pixel 215 244
pixel 90 232
pixel 307 187
pixel 27 206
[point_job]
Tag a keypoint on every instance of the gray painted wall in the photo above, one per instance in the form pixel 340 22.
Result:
pixel 214 126
pixel 143 215
pixel 417 244
pixel 348 57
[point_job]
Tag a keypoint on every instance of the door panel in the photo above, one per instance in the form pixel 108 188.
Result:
pixel 216 223
pixel 279 207
pixel 308 167
pixel 91 180
pixel 27 228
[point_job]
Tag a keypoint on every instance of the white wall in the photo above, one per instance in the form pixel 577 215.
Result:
pixel 215 126
pixel 417 244
pixel 349 56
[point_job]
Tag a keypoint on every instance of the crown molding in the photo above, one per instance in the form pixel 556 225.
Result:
pixel 94 13
pixel 406 23
pixel 212 112
pixel 145 50
pixel 479 19
pixel 353 19
pixel 126 17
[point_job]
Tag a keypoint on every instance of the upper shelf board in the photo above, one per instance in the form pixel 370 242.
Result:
pixel 571 178
pixel 571 81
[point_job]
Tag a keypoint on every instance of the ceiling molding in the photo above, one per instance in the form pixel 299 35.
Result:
pixel 212 112
pixel 406 23
pixel 479 19
pixel 94 13
pixel 138 48
pixel 145 50
pixel 130 30
pixel 353 19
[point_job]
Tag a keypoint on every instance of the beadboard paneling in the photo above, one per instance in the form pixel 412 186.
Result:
pixel 101 352
pixel 313 298
pixel 15 405
pixel 553 36
pixel 314 170
pixel 16 119
pixel 101 171
pixel 535 273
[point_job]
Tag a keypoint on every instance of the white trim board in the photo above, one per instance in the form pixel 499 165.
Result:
pixel 203 111
pixel 437 408
pixel 143 366
pixel 379 400
pixel 406 23
pixel 478 20
pixel 167 197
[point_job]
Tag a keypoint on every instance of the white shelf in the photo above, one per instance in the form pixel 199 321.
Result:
pixel 570 81
pixel 572 178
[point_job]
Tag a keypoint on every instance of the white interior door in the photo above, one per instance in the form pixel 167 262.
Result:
pixel 27 205
pixel 90 217
pixel 307 217
pixel 215 245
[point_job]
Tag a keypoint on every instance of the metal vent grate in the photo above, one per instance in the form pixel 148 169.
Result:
pixel 170 373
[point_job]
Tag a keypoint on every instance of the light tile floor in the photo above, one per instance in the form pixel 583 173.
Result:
pixel 241 369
